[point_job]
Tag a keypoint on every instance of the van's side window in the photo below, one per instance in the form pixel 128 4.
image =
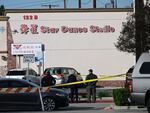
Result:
pixel 145 68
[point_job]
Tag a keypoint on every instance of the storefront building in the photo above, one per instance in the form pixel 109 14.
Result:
pixel 82 39
pixel 5 42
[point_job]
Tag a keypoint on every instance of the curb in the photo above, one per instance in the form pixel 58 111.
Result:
pixel 104 101
pixel 97 101
pixel 127 108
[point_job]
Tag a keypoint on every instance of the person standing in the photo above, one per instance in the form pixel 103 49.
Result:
pixel 91 86
pixel 48 80
pixel 73 88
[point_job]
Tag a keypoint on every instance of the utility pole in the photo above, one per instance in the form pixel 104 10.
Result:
pixel 65 4
pixel 79 1
pixel 139 23
pixel 115 3
pixel 50 6
pixel 2 10
pixel 94 4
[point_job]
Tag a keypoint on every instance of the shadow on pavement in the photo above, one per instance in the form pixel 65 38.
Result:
pixel 76 108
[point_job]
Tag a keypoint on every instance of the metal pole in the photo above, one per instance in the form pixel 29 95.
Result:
pixel 43 60
pixel 79 1
pixel 28 69
pixel 65 4
pixel 41 99
pixel 19 58
pixel 50 7
pixel 94 3
pixel 115 3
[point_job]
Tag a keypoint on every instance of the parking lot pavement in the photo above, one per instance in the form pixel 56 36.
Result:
pixel 90 108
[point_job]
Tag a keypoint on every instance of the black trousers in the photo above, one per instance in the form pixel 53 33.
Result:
pixel 91 94
pixel 74 94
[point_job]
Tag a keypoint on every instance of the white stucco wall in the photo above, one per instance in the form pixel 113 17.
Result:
pixel 79 50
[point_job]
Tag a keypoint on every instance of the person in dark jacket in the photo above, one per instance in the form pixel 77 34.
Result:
pixel 48 80
pixel 73 88
pixel 91 86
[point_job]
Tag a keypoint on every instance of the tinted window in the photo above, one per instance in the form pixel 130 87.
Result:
pixel 145 68
pixel 30 72
pixel 53 71
pixel 58 71
pixel 16 72
pixel 65 71
pixel 34 73
pixel 16 84
pixel 4 84
pixel 130 70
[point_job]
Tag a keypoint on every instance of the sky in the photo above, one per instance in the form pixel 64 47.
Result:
pixel 15 4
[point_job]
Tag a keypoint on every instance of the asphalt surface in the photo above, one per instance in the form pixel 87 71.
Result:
pixel 89 108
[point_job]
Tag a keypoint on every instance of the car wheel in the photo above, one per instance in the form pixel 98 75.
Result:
pixel 148 105
pixel 49 104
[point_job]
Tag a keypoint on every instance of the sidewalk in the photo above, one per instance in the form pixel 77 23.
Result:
pixel 103 100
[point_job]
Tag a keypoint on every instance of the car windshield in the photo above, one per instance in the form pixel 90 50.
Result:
pixel 16 73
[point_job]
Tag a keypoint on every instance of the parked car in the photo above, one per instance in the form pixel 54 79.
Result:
pixel 25 73
pixel 61 74
pixel 140 84
pixel 53 99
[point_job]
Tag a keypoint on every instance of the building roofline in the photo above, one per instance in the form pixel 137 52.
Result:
pixel 4 18
pixel 68 10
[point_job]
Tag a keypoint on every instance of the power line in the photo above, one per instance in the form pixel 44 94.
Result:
pixel 37 4
pixel 49 5
pixel 25 3
pixel 85 3
pixel 101 2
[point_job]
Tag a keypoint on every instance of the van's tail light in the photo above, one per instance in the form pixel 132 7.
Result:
pixel 130 85
pixel 60 75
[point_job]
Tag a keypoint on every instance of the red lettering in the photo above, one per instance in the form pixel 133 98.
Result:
pixel 112 29
pixel 105 29
pixel 24 29
pixel 24 17
pixel 43 29
pixel 65 29
pixel 35 17
pixel 92 29
pixel 30 17
pixel 34 29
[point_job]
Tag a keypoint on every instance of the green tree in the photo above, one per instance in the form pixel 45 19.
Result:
pixel 127 41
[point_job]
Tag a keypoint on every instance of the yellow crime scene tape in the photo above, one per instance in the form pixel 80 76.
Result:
pixel 85 81
pixel 46 89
